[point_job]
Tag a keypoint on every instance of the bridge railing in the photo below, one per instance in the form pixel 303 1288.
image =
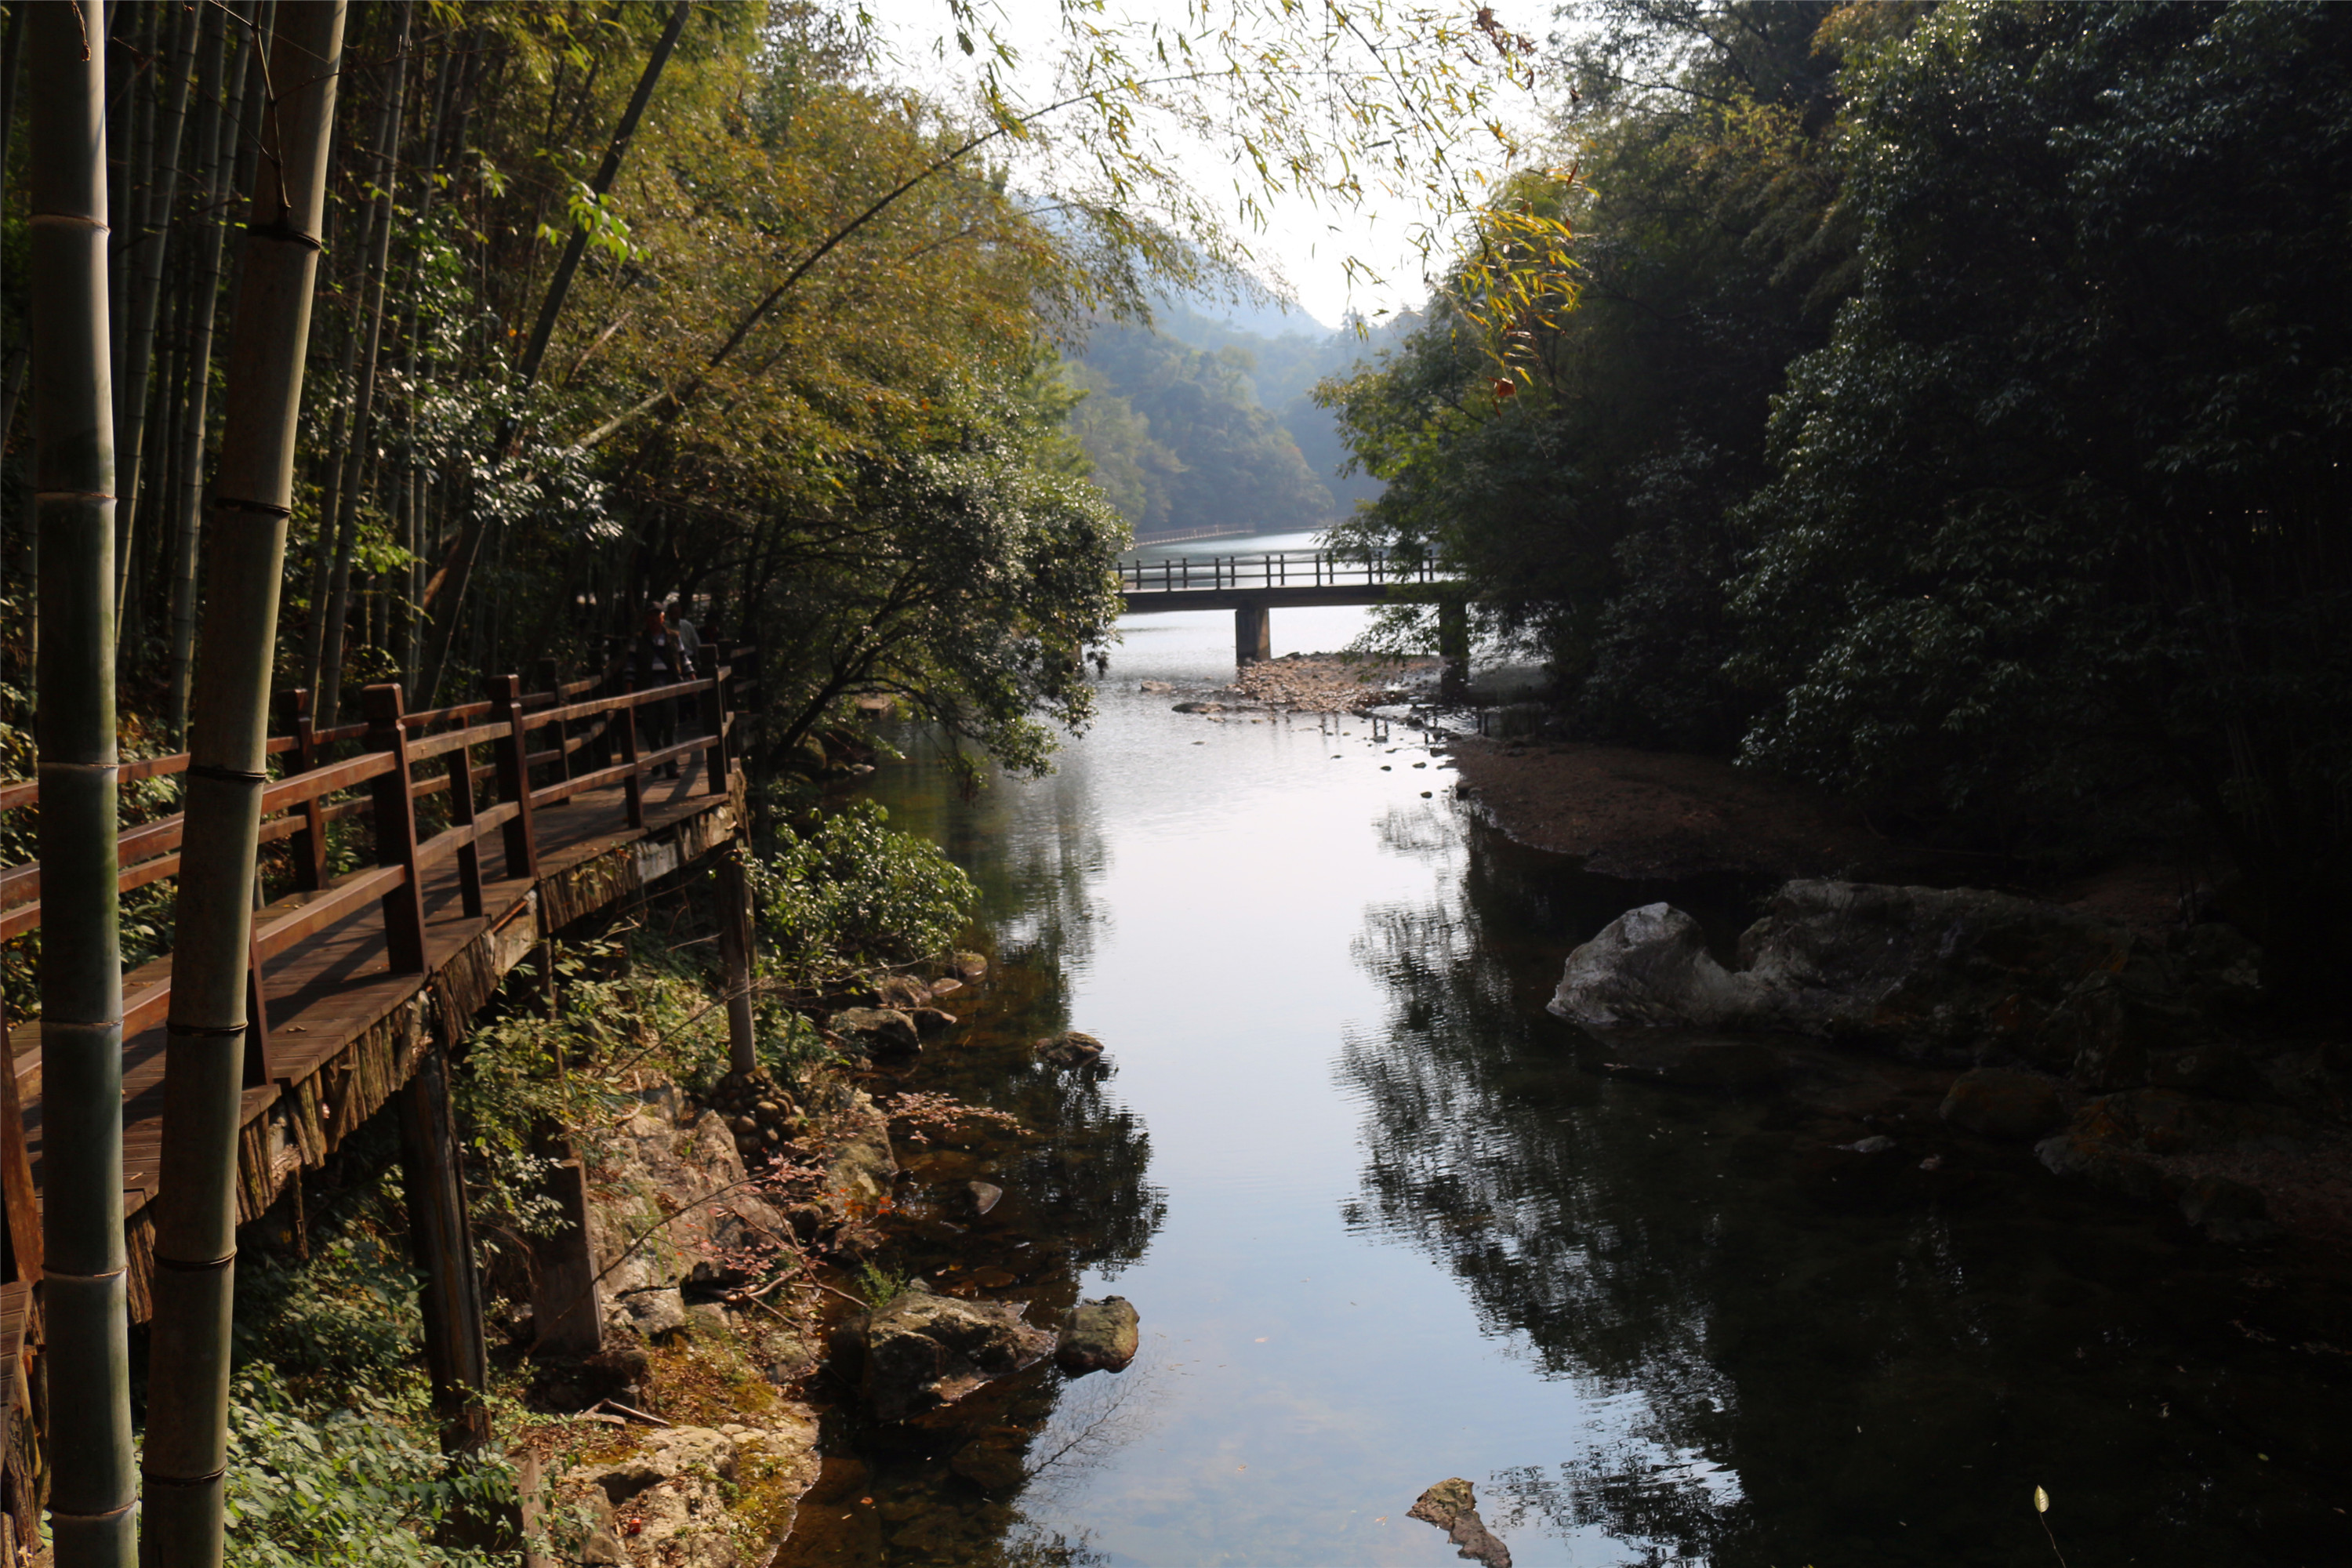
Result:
pixel 317 787
pixel 1270 569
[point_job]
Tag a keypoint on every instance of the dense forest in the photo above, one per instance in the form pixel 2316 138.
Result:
pixel 1946 404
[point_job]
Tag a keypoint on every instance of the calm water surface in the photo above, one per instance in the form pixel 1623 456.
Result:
pixel 1387 1222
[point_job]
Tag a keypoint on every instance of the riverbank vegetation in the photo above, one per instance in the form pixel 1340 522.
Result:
pixel 1952 411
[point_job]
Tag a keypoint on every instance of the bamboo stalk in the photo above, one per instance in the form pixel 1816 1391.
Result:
pixel 376 274
pixel 195 1228
pixel 92 1500
pixel 188 504
pixel 162 162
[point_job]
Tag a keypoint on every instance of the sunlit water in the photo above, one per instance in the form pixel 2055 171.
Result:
pixel 1387 1222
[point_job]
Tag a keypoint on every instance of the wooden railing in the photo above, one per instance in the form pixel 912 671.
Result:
pixel 1272 569
pixel 301 804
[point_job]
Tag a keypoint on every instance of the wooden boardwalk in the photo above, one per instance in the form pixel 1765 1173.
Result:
pixel 360 976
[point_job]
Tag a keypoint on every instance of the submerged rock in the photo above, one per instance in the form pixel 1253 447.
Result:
pixel 1453 1506
pixel 1070 1048
pixel 932 1020
pixel 923 1351
pixel 1101 1336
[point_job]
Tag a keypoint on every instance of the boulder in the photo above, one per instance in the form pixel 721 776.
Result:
pixel 1101 1336
pixel 696 1496
pixel 875 1028
pixel 1452 1507
pixel 1949 973
pixel 971 966
pixel 1650 968
pixel 853 1141
pixel 1069 1048
pixel 2108 1026
pixel 931 1020
pixel 922 1351
pixel 903 991
pixel 2003 1104
pixel 2226 1209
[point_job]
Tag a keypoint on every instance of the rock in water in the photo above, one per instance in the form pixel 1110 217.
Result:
pixel 1998 1104
pixel 1070 1048
pixel 984 1195
pixel 1452 1506
pixel 1651 967
pixel 924 1351
pixel 1102 1336
pixel 877 1028
pixel 1441 1503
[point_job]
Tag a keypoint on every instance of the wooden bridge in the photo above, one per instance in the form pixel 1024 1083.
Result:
pixel 1252 585
pixel 363 980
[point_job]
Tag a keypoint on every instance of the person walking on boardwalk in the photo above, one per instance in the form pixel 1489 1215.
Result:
pixel 661 660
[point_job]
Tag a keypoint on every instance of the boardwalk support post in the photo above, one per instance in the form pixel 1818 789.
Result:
pixel 735 952
pixel 566 1309
pixel 442 1240
pixel 309 846
pixel 1253 634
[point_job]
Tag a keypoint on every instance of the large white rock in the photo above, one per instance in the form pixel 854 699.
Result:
pixel 1650 968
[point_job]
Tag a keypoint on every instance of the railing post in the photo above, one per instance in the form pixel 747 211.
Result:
pixel 551 680
pixel 513 749
pixel 22 1204
pixel 633 789
pixel 259 1066
pixel 310 844
pixel 461 814
pixel 396 831
pixel 718 760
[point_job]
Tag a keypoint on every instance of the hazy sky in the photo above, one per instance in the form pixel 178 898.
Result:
pixel 1308 245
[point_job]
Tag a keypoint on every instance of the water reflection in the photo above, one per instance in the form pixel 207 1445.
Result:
pixel 1794 1353
pixel 1387 1222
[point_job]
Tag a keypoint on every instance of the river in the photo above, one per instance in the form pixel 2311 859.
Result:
pixel 1387 1222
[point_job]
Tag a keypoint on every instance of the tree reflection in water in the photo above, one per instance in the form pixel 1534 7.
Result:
pixel 1793 1354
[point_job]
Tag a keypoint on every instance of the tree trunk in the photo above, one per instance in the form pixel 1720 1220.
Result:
pixel 162 162
pixel 377 270
pixel 195 1228
pixel 188 504
pixel 85 1294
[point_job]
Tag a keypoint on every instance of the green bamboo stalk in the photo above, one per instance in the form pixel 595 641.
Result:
pixel 188 504
pixel 93 1503
pixel 163 162
pixel 377 272
pixel 195 1226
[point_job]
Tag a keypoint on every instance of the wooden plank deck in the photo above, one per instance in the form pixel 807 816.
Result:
pixel 345 1030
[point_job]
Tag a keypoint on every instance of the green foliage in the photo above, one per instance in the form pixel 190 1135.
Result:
pixel 853 891
pixel 879 1286
pixel 2059 507
pixel 360 1487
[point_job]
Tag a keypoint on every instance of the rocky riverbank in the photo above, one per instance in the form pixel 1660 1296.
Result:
pixel 751 1251
pixel 2147 1066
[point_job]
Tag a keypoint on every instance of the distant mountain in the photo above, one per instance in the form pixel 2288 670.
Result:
pixel 1205 423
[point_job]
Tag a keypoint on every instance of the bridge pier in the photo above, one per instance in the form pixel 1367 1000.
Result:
pixel 1454 648
pixel 1253 634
